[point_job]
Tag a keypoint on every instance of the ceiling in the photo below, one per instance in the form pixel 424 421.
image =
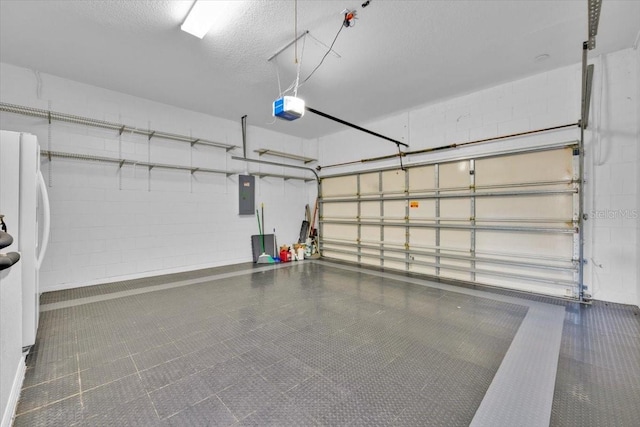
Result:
pixel 398 55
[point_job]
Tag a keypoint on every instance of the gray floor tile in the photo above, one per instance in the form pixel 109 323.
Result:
pixel 138 412
pixel 264 356
pixel 209 356
pixel 166 373
pixel 148 342
pixel 281 414
pixel 38 373
pixel 287 373
pixel 116 393
pixel 45 393
pixel 225 374
pixel 106 373
pixel 245 342
pixel 102 355
pixel 179 395
pixel 59 413
pixel 332 347
pixel 250 394
pixel 155 356
pixel 210 412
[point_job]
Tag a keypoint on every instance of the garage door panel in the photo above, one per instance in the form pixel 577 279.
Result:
pixel 399 264
pixel 393 182
pixel 340 231
pixel 370 209
pixel 370 234
pixel 517 270
pixel 395 235
pixel 422 269
pixel 455 239
pixel 420 237
pixel 395 211
pixel 556 207
pixel 540 244
pixel 422 179
pixel 555 165
pixel 526 285
pixel 422 210
pixel 503 220
pixel 455 208
pixel 341 210
pixel 370 183
pixel 454 175
pixel 340 186
pixel 370 256
pixel 328 253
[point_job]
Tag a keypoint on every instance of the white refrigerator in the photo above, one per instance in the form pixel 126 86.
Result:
pixel 24 202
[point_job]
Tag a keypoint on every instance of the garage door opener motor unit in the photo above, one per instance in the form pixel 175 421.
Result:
pixel 288 108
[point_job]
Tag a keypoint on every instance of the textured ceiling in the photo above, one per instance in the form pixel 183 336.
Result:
pixel 398 55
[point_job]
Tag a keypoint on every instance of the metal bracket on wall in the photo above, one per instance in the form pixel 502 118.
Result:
pixel 264 162
pixel 119 127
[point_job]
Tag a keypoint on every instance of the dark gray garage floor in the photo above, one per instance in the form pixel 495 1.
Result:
pixel 315 343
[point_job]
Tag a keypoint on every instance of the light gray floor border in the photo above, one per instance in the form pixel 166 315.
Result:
pixel 521 392
pixel 169 285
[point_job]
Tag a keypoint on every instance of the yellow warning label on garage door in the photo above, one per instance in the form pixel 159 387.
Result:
pixel 414 204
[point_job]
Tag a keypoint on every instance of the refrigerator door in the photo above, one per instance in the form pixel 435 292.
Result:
pixel 29 170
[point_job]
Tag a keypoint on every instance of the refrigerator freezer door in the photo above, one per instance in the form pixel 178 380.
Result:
pixel 29 170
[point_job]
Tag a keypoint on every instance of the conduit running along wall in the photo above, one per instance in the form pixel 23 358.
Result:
pixel 508 220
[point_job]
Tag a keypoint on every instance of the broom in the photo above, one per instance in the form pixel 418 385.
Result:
pixel 264 258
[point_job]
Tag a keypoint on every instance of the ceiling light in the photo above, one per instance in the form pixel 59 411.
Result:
pixel 206 13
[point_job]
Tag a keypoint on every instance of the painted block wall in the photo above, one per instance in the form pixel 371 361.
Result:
pixel 540 101
pixel 111 224
pixel 637 51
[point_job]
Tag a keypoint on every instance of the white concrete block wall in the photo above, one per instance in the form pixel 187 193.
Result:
pixel 637 52
pixel 540 101
pixel 110 224
pixel 612 180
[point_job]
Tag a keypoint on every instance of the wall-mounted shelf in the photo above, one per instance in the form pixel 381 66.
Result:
pixel 266 151
pixel 122 162
pixel 285 177
pixel 120 128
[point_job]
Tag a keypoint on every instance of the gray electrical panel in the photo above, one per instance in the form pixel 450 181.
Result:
pixel 247 194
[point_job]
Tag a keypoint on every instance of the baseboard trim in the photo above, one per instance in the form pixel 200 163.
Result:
pixel 12 404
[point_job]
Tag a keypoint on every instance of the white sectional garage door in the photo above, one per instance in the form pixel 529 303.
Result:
pixel 508 220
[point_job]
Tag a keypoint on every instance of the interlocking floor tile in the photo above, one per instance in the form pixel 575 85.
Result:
pixel 209 412
pixel 248 395
pixel 308 344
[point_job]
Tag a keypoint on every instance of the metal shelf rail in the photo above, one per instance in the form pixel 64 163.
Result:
pixel 120 128
pixel 123 162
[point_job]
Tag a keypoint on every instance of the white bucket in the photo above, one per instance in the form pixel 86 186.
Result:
pixel 300 255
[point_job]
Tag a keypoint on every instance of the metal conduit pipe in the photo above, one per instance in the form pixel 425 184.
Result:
pixel 448 147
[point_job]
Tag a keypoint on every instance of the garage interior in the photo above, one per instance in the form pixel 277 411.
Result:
pixel 466 176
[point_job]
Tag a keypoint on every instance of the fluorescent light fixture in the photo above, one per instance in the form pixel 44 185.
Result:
pixel 206 13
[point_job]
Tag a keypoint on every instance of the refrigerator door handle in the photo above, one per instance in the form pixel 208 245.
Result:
pixel 46 226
